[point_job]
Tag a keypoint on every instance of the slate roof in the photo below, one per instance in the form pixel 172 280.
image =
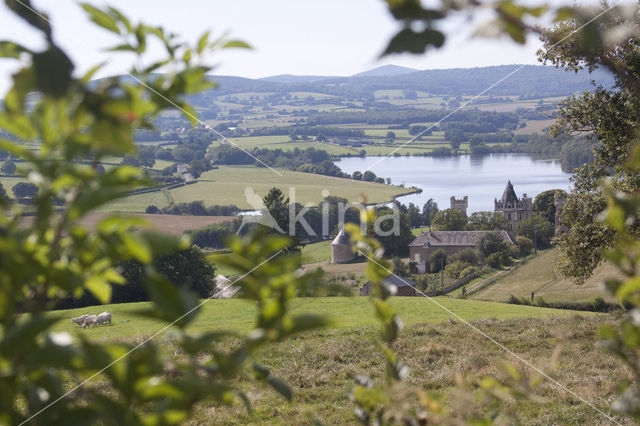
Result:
pixel 341 239
pixel 453 238
pixel 509 196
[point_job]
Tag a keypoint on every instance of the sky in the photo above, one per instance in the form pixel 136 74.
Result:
pixel 303 37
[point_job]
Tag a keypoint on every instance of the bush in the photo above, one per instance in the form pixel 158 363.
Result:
pixel 469 271
pixel 468 255
pixel 8 168
pixel 437 260
pixel 494 260
pixel 454 269
pixel 22 190
pixel 151 209
pixel 525 245
pixel 490 243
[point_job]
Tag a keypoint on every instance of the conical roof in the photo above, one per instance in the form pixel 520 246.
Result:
pixel 341 238
pixel 509 195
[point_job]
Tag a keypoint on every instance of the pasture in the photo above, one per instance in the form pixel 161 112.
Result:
pixel 539 275
pixel 320 366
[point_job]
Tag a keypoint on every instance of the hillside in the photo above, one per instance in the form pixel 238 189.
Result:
pixel 538 275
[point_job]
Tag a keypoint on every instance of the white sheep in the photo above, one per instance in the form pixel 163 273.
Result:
pixel 104 318
pixel 79 320
pixel 90 320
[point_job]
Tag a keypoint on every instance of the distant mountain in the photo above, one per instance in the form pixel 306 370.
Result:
pixel 386 71
pixel 290 78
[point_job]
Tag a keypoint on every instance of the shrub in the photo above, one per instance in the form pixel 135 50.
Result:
pixel 454 269
pixel 468 255
pixel 494 260
pixel 8 168
pixel 437 260
pixel 524 245
pixel 469 271
pixel 22 190
pixel 151 209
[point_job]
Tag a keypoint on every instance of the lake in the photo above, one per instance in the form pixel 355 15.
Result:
pixel 481 177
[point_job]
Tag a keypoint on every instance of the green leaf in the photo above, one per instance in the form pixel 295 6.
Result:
pixel 202 42
pixel 236 44
pixel 9 49
pixel 100 288
pixel 53 71
pixel 101 18
pixel 410 41
pixel 20 337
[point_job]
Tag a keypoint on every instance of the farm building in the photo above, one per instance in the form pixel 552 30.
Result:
pixel 404 286
pixel 450 241
pixel 341 251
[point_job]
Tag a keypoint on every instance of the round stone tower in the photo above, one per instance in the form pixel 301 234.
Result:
pixel 341 251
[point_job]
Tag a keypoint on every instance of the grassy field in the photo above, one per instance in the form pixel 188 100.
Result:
pixel 317 252
pixel 227 185
pixel 238 314
pixel 539 275
pixel 321 366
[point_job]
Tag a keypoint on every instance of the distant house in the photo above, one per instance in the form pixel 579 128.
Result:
pixel 182 168
pixel 188 178
pixel 450 241
pixel 404 286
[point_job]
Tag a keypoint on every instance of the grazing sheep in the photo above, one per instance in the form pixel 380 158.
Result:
pixel 103 318
pixel 79 320
pixel 90 320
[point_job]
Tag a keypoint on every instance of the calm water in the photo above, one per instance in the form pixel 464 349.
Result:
pixel 482 178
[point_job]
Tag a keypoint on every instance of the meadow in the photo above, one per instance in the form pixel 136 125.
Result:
pixel 321 366
pixel 539 275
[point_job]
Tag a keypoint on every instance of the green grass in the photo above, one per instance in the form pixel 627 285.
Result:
pixel 238 314
pixel 321 366
pixel 317 252
pixel 540 276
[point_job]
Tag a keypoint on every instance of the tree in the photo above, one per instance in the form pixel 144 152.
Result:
pixel 537 229
pixel 130 161
pixel 449 220
pixel 419 129
pixel 356 175
pixel 544 204
pixel 391 136
pixel 612 117
pixel 22 190
pixel 368 176
pixel 188 269
pixel 414 216
pixel 79 123
pixel 152 209
pixel 396 244
pixel 399 267
pixel 487 221
pixel 437 261
pixel 278 207
pixel 146 156
pixel 8 168
pixel 489 243
pixel 429 210
pixel 524 245
pixel 3 195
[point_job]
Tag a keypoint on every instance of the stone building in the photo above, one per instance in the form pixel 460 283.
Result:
pixel 451 242
pixel 460 205
pixel 341 251
pixel 514 209
pixel 404 286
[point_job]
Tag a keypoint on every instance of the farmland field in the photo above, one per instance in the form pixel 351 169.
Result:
pixel 238 314
pixel 321 366
pixel 539 275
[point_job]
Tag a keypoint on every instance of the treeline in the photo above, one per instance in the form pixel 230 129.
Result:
pixel 185 269
pixel 407 117
pixel 309 160
pixel 307 131
pixel 195 208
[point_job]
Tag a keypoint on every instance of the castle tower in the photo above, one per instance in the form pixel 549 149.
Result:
pixel 341 250
pixel 460 205
pixel 514 209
